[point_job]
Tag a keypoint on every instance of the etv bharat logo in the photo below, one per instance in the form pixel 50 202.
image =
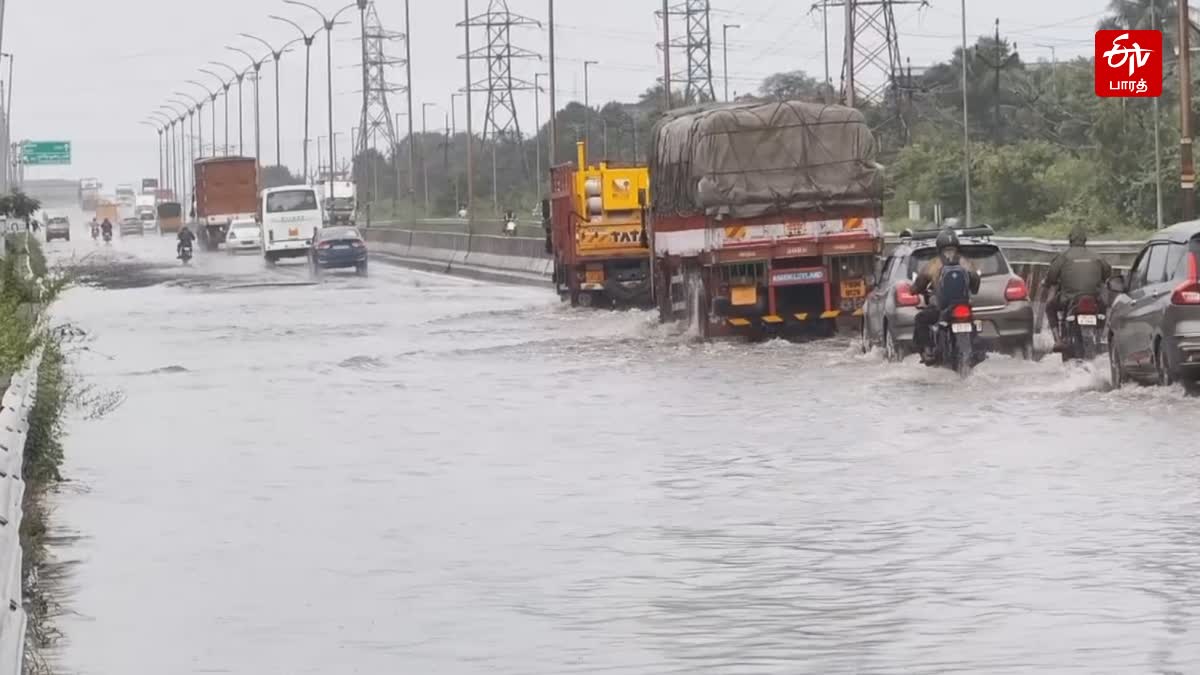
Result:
pixel 1129 63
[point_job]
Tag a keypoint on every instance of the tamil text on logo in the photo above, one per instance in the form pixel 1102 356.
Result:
pixel 1129 63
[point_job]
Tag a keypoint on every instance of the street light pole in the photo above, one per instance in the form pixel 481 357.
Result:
pixel 154 126
pixel 308 42
pixel 329 23
pixel 240 75
pixel 725 53
pixel 424 161
pixel 537 121
pixel 553 156
pixel 199 119
pixel 966 121
pixel 257 66
pixel 212 95
pixel 225 85
pixel 276 54
pixel 587 134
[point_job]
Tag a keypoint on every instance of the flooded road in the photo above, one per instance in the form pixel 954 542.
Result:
pixel 418 474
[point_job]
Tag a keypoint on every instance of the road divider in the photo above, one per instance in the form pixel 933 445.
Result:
pixel 15 407
pixel 488 257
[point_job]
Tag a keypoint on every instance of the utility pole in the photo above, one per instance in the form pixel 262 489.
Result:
pixel 851 72
pixel 666 47
pixel 412 194
pixel 537 121
pixel 725 54
pixel 1158 195
pixel 966 120
pixel 587 106
pixel 1187 175
pixel 424 161
pixel 553 84
pixel 470 126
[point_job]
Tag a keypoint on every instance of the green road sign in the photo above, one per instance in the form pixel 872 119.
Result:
pixel 46 152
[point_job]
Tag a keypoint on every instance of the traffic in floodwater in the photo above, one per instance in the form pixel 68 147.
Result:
pixel 416 473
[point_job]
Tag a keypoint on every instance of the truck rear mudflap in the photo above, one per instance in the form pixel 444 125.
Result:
pixel 622 283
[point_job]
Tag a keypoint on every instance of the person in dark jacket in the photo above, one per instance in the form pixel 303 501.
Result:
pixel 1074 272
pixel 930 279
pixel 184 238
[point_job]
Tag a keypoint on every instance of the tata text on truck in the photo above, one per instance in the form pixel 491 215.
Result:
pixel 594 229
pixel 765 218
pixel 226 190
pixel 341 204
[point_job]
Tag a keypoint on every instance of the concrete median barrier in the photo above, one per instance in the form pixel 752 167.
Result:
pixel 482 256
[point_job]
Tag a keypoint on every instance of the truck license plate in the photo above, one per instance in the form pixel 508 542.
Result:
pixel 854 288
pixel 1086 319
pixel 962 327
pixel 594 276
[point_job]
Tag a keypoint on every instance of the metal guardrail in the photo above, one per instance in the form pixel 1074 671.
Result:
pixel 15 406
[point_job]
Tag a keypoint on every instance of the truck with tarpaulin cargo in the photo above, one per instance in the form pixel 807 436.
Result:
pixel 226 190
pixel 765 218
pixel 595 229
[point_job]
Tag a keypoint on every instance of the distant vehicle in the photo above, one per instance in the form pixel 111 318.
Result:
pixel 107 210
pixel 339 247
pixel 226 190
pixel 89 193
pixel 244 235
pixel 170 217
pixel 1152 322
pixel 131 226
pixel 291 217
pixel 126 195
pixel 342 205
pixel 58 227
pixel 149 186
pixel 1001 311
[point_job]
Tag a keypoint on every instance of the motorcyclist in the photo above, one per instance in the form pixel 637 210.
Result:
pixel 1074 272
pixel 106 228
pixel 95 228
pixel 931 277
pixel 510 223
pixel 185 238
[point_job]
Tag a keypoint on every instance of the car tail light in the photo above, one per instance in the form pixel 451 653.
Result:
pixel 1188 293
pixel 324 245
pixel 1016 290
pixel 356 243
pixel 961 313
pixel 1087 305
pixel 904 295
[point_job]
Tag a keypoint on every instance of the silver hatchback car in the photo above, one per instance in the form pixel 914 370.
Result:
pixel 1154 316
pixel 1003 312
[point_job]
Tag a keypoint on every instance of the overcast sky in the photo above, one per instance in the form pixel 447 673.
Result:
pixel 88 71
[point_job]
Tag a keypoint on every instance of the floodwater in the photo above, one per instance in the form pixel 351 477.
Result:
pixel 410 473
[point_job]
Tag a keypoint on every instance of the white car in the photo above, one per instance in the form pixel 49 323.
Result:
pixel 244 235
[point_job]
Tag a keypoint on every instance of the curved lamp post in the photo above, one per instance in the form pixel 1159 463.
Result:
pixel 257 66
pixel 329 23
pixel 225 85
pixel 308 41
pixel 239 75
pixel 158 129
pixel 275 54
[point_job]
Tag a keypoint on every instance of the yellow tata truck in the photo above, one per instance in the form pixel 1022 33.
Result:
pixel 595 229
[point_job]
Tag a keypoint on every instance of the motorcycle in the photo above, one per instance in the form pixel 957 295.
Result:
pixel 1081 327
pixel 185 253
pixel 510 228
pixel 108 236
pixel 954 340
pixel 95 233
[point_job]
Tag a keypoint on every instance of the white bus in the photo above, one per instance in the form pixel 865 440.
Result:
pixel 290 218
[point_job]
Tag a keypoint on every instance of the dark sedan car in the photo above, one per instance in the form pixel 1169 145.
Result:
pixel 1003 313
pixel 1154 320
pixel 339 247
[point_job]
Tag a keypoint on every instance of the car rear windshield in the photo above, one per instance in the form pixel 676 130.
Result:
pixel 338 233
pixel 985 257
pixel 291 200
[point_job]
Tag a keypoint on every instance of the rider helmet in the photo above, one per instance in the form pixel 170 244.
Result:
pixel 1078 236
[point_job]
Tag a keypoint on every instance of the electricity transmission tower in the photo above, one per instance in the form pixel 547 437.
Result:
pixel 696 45
pixel 500 119
pixel 872 70
pixel 375 123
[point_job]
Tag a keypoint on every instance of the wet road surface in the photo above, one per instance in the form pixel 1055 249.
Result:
pixel 417 474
